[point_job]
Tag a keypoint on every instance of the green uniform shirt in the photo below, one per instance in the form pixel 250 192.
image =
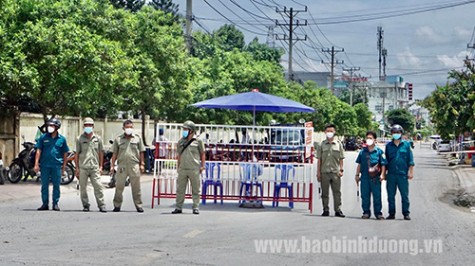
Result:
pixel 330 154
pixel 128 150
pixel 190 158
pixel 52 150
pixel 399 158
pixel 88 151
pixel 376 156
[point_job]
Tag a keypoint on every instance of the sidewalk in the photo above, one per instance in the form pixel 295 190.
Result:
pixel 466 177
pixel 31 188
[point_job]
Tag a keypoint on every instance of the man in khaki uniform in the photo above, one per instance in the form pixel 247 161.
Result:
pixel 89 161
pixel 191 162
pixel 128 149
pixel 330 155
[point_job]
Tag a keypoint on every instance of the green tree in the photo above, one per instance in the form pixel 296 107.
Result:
pixel 363 118
pixel 401 117
pixel 228 37
pixel 166 6
pixel 131 5
pixel 262 51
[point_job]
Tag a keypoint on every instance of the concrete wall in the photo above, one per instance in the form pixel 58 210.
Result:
pixel 8 140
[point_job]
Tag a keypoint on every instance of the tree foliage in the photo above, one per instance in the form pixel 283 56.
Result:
pixel 401 117
pixel 452 106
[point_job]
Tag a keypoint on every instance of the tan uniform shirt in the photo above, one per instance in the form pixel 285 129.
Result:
pixel 330 154
pixel 88 151
pixel 128 150
pixel 190 158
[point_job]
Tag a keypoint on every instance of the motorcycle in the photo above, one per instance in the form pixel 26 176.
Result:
pixel 2 169
pixel 22 166
pixel 106 167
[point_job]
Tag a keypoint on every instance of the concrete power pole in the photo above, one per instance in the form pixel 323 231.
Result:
pixel 332 63
pixel 189 19
pixel 351 70
pixel 380 48
pixel 292 25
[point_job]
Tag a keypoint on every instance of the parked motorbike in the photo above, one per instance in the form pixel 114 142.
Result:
pixel 22 166
pixel 2 169
pixel 106 168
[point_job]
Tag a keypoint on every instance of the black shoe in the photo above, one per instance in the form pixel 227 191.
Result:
pixel 379 217
pixel 116 209
pixel 139 210
pixel 43 207
pixel 391 217
pixel 176 211
pixel 196 211
pixel 56 207
pixel 85 209
pixel 407 217
pixel 326 213
pixel 102 209
pixel 339 214
pixel 365 216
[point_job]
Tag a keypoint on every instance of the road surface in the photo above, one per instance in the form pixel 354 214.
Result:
pixel 439 233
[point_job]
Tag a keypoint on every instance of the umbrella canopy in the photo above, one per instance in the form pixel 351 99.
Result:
pixel 255 101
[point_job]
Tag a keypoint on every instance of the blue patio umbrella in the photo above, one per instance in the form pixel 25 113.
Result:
pixel 255 101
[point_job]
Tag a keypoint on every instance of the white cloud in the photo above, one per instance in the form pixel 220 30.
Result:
pixel 429 34
pixel 408 59
pixel 453 61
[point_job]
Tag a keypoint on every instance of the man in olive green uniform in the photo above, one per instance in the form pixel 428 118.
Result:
pixel 191 162
pixel 330 155
pixel 89 161
pixel 128 149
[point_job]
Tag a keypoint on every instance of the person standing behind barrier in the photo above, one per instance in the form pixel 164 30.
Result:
pixel 400 171
pixel 128 149
pixel 372 166
pixel 162 148
pixel 190 163
pixel 330 155
pixel 89 160
pixel 51 157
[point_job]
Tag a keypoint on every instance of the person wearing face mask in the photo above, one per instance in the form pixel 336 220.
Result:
pixel 330 155
pixel 400 170
pixel 191 162
pixel 128 149
pixel 89 161
pixel 372 166
pixel 51 157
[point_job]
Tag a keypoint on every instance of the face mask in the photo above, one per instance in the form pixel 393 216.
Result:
pixel 129 131
pixel 330 135
pixel 185 133
pixel 370 142
pixel 396 136
pixel 88 130
pixel 51 129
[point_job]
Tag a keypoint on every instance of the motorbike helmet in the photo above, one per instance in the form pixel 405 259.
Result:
pixel 190 125
pixel 54 122
pixel 397 128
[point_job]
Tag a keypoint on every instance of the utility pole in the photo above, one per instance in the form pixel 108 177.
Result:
pixel 351 70
pixel 332 63
pixel 383 95
pixel 380 48
pixel 270 37
pixel 189 19
pixel 291 26
pixel 384 53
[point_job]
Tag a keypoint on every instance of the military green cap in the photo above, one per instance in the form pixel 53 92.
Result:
pixel 190 125
pixel 88 121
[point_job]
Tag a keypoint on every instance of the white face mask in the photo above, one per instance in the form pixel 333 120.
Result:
pixel 129 131
pixel 330 135
pixel 51 129
pixel 370 142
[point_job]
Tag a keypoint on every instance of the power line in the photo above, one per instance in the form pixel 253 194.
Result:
pixel 249 12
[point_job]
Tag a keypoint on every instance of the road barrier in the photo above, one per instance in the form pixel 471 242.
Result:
pixel 277 167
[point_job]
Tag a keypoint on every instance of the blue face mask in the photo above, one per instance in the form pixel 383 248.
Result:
pixel 88 130
pixel 185 133
pixel 396 136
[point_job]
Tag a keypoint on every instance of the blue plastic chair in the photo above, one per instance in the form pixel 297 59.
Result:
pixel 285 170
pixel 249 173
pixel 210 181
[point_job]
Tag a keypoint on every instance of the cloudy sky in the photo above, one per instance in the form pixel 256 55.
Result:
pixel 422 46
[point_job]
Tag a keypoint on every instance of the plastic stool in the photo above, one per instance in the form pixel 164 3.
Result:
pixel 283 183
pixel 209 181
pixel 249 173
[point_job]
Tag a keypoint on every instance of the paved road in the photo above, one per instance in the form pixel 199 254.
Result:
pixel 225 235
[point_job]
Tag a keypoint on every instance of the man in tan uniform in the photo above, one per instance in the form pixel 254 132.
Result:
pixel 89 160
pixel 191 162
pixel 128 149
pixel 330 155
